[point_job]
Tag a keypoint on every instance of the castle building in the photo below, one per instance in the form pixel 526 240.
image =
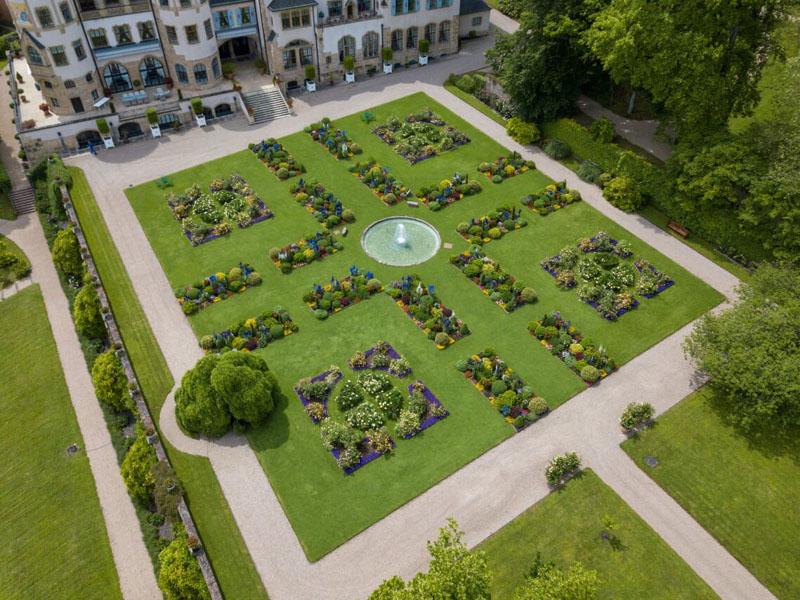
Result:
pixel 95 70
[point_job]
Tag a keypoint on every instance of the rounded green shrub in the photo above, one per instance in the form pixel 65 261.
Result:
pixel 557 149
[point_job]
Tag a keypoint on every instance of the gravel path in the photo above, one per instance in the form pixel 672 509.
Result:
pixel 483 495
pixel 127 546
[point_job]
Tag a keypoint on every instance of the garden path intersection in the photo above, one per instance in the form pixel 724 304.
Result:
pixel 488 492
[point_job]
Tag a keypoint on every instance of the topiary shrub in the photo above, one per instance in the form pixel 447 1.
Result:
pixel 253 279
pixel 602 130
pixel 523 132
pixel 179 575
pixel 67 252
pixel 86 312
pixel 441 339
pixel 557 149
pixel 348 216
pixel 137 468
pixel 528 295
pixel 498 387
pixel 635 415
pixel 110 382
pixel 349 396
pixel 623 192
pixel 590 374
pixel 560 467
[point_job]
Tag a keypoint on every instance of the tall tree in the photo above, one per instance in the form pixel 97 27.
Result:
pixel 551 583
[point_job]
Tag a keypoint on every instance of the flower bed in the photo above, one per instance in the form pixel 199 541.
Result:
pixel 252 333
pixel 434 412
pixel 216 287
pixel 447 191
pixel 389 190
pixel 590 361
pixel 504 167
pixel 336 141
pixel 554 197
pixel 501 287
pixel 381 357
pixel 420 136
pixel 492 226
pixel 277 159
pixel 304 251
pixel 207 216
pixel 505 390
pixel 423 306
pixel 605 276
pixel 337 295
pixel 314 392
pixel 322 204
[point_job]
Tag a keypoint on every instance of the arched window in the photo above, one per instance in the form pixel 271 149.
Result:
pixel 116 78
pixel 220 110
pixel 412 34
pixel 90 136
pixel 33 56
pixel 151 72
pixel 444 32
pixel 200 73
pixel 397 40
pixel 347 47
pixel 123 34
pixel 370 43
pixel 215 70
pixel 430 33
pixel 181 73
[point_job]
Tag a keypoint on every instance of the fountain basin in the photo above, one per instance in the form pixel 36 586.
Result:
pixel 400 241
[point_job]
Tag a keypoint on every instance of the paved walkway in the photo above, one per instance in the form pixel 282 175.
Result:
pixel 127 546
pixel 483 495
pixel 19 284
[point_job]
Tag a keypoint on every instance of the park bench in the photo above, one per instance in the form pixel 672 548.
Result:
pixel 678 228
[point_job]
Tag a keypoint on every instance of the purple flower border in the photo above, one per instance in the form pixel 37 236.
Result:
pixel 392 354
pixel 430 421
pixel 267 214
pixel 305 401
pixel 365 458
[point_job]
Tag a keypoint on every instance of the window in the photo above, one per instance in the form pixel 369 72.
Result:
pixel 77 45
pixel 411 37
pixel 430 32
pixel 476 21
pixel 48 85
pixel 77 104
pixel 412 6
pixel 54 102
pixel 200 73
pixel 87 4
pixel 66 12
pixel 209 29
pixel 59 56
pixel 223 19
pixel 147 31
pixel 180 71
pixel 364 6
pixel 44 17
pixel 69 84
pixel 289 59
pixel 245 16
pixel 122 33
pixel 186 3
pixel 215 70
pixel 95 95
pixel 172 34
pixel 370 43
pixel 191 34
pixel 116 78
pixel 151 72
pixel 98 38
pixel 34 57
pixel 335 8
pixel 305 55
pixel 397 40
pixel 295 18
pixel 89 77
pixel 347 47
pixel 164 3
pixel 444 32
pixel 398 7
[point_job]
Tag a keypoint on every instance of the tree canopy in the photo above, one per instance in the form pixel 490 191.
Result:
pixel 67 252
pixel 137 468
pixel 86 312
pixel 551 583
pixel 110 382
pixel 179 575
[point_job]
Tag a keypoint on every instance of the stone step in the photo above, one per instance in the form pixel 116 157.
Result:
pixel 23 200
pixel 266 104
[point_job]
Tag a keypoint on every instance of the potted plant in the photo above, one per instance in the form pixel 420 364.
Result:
pixel 105 131
pixel 349 64
pixel 150 434
pixel 387 60
pixel 194 544
pixel 311 78
pixel 197 109
pixel 152 118
pixel 45 108
pixel 424 46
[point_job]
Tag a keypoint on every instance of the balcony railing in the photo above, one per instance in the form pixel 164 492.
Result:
pixel 129 8
pixel 126 50
pixel 344 20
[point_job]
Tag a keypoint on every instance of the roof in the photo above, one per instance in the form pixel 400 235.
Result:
pixel 277 5
pixel 469 7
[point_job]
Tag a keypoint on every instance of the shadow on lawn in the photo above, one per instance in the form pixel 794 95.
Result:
pixel 275 431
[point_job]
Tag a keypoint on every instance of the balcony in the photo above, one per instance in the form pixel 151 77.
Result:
pixel 129 8
pixel 112 52
pixel 344 20
pixel 235 32
pixel 216 3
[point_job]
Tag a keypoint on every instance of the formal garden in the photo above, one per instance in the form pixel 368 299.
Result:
pixel 541 342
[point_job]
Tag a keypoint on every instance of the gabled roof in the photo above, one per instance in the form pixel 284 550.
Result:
pixel 278 5
pixel 469 7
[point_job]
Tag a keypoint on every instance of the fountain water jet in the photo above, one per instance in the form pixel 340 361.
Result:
pixel 400 235
pixel 400 241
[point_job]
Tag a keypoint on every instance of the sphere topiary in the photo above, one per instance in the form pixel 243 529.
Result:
pixel 498 387
pixel 442 339
pixel 590 374
pixel 557 149
pixel 528 295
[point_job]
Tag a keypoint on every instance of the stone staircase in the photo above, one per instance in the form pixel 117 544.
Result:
pixel 22 199
pixel 266 104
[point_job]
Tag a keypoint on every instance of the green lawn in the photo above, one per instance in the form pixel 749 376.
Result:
pixel 53 531
pixel 221 538
pixel 565 527
pixel 312 495
pixel 743 491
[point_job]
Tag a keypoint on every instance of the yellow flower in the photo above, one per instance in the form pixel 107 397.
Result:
pixel 301 243
pixel 250 323
pixel 217 299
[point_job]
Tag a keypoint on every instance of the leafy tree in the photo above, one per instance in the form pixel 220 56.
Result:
pixel 86 312
pixel 701 59
pixel 67 252
pixel 750 351
pixel 602 130
pixel 454 573
pixel 179 575
pixel 137 469
pixel 236 386
pixel 110 382
pixel 551 583
pixel 623 192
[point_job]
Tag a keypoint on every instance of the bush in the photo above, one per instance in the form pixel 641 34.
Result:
pixel 528 295
pixel 636 414
pixel 110 382
pixel 560 467
pixel 522 132
pixel 468 83
pixel 557 149
pixel 253 279
pixel 581 142
pixel 137 468
pixel 336 434
pixel 441 339
pixel 348 216
pixel 602 130
pixel 623 192
pixel 364 417
pixel 349 396
pixel 589 171
pixel 167 490
pixel 86 312
pixel 179 575
pixel 67 252
pixel 538 406
pixel 349 63
pixel 407 423
pixel 498 387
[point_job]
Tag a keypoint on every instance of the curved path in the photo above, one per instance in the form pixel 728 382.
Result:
pixel 485 494
pixel 134 568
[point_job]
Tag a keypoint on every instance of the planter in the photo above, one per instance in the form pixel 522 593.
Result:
pixel 350 77
pixel 423 60
pixel 200 119
pixel 311 86
pixel 155 130
pixel 108 142
pixel 387 68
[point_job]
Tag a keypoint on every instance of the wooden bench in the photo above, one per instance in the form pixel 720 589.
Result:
pixel 678 228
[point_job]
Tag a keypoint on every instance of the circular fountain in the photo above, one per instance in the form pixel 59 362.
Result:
pixel 400 241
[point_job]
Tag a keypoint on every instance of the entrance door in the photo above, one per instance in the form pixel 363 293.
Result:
pixel 225 51
pixel 77 104
pixel 241 47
